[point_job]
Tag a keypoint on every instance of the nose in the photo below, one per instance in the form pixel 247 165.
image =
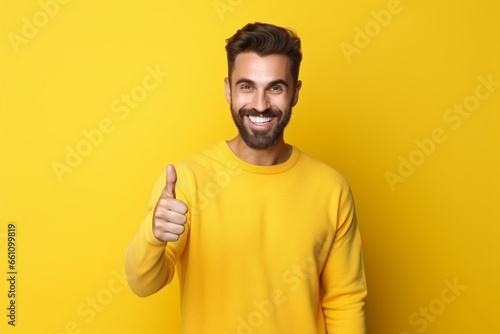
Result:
pixel 261 102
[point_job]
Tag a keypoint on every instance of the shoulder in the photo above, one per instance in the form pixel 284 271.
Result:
pixel 200 167
pixel 188 166
pixel 206 158
pixel 321 170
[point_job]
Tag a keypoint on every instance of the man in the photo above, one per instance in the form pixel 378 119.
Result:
pixel 263 236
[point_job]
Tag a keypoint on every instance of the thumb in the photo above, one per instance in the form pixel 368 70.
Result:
pixel 171 180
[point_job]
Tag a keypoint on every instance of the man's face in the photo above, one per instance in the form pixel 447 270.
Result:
pixel 261 94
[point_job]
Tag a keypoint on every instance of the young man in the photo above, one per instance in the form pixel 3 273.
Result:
pixel 263 236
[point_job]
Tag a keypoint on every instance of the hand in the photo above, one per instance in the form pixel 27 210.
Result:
pixel 170 213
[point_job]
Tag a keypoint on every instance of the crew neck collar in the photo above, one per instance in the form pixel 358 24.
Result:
pixel 259 169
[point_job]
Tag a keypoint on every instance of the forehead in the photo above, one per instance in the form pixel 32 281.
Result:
pixel 250 65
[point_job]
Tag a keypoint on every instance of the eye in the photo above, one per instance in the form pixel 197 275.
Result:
pixel 245 86
pixel 276 89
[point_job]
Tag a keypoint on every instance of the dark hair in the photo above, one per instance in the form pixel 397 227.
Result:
pixel 265 39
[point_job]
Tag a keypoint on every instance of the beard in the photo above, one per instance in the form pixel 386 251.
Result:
pixel 265 139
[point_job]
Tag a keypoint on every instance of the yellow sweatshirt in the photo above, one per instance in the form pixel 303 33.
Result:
pixel 267 249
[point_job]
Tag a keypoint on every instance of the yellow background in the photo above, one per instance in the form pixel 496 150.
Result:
pixel 361 111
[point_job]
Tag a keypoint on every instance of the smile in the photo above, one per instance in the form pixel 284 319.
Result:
pixel 259 120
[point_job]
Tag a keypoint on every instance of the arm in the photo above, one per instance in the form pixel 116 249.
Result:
pixel 343 277
pixel 151 256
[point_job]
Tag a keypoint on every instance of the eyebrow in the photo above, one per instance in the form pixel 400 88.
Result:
pixel 272 83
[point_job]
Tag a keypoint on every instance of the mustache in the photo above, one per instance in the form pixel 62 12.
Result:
pixel 266 113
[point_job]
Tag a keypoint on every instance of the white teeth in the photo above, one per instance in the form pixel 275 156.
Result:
pixel 260 119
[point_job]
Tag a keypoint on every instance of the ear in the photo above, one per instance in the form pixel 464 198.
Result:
pixel 228 90
pixel 296 91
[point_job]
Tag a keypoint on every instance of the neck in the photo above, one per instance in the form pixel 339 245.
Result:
pixel 278 153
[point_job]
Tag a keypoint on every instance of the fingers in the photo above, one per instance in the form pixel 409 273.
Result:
pixel 168 225
pixel 170 213
pixel 169 232
pixel 167 236
pixel 166 215
pixel 166 203
pixel 171 180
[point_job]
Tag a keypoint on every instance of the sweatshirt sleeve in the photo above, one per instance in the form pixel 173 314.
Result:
pixel 343 278
pixel 150 263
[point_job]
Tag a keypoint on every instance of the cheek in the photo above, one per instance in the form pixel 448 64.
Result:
pixel 240 100
pixel 282 102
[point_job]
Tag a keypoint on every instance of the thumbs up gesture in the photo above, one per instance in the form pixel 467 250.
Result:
pixel 170 213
